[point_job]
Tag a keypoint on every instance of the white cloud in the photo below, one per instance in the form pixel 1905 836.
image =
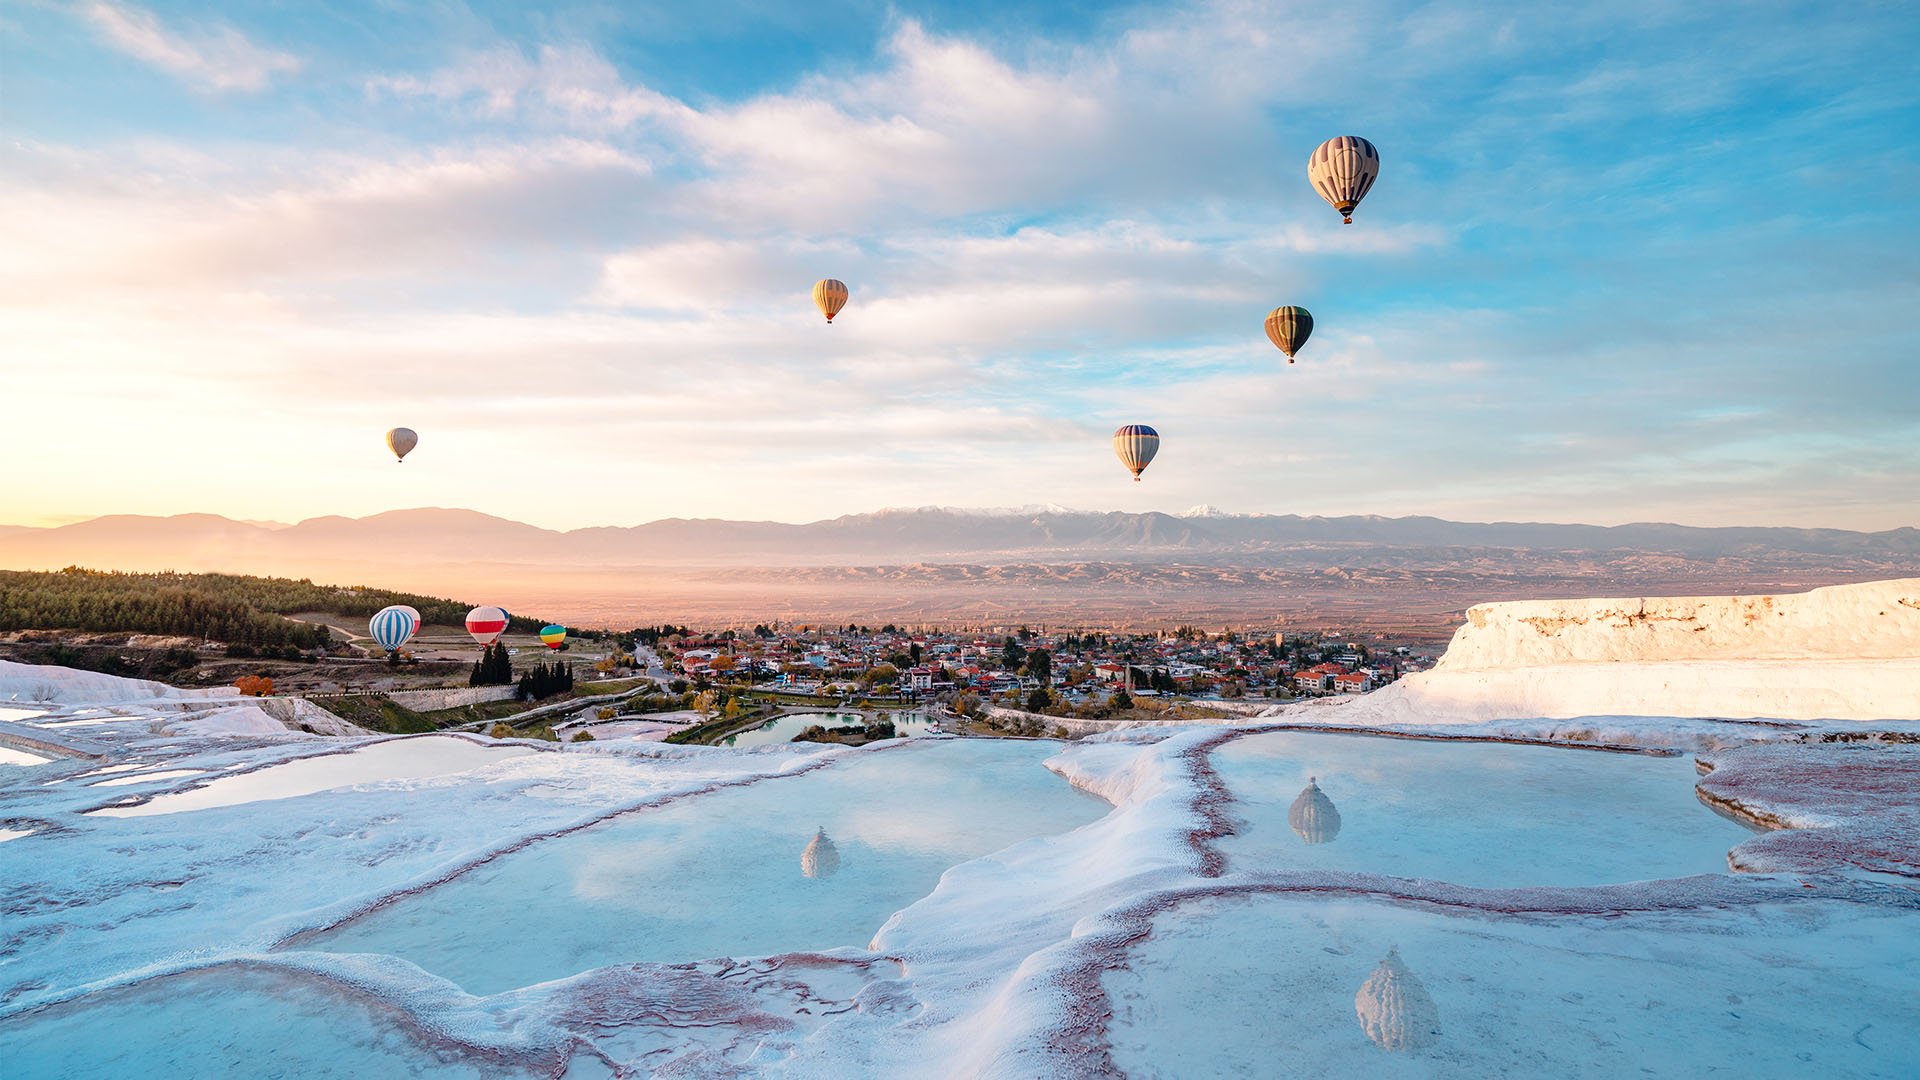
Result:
pixel 216 58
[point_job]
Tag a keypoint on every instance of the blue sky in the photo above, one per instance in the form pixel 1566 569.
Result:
pixel 1651 262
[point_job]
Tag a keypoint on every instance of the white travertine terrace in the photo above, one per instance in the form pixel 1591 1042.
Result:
pixel 1846 652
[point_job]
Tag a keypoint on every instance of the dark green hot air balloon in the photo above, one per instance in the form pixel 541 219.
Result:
pixel 1288 328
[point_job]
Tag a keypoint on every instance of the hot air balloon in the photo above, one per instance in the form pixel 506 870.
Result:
pixel 821 859
pixel 1312 817
pixel 553 636
pixel 829 295
pixel 401 441
pixel 1288 328
pixel 486 624
pixel 1343 170
pixel 1136 444
pixel 1395 1010
pixel 393 626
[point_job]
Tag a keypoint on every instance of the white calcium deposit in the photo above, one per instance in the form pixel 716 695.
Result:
pixel 1846 652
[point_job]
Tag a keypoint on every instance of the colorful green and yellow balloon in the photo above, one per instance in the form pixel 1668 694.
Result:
pixel 553 636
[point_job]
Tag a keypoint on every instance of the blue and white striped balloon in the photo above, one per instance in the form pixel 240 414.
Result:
pixel 393 626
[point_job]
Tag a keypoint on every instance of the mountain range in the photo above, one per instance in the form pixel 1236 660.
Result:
pixel 922 534
pixel 932 562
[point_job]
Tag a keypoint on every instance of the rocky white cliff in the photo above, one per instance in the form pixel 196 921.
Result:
pixel 1848 652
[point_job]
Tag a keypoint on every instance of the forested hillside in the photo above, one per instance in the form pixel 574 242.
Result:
pixel 218 607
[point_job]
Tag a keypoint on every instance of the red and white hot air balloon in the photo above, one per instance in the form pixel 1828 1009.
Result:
pixel 486 624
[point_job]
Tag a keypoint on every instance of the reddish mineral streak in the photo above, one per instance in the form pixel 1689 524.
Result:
pixel 1864 793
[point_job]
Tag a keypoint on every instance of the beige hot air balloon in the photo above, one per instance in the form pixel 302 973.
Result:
pixel 821 859
pixel 1135 445
pixel 1343 170
pixel 401 441
pixel 829 296
pixel 1312 816
pixel 1396 1011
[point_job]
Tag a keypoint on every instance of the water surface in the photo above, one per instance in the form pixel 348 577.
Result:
pixel 722 874
pixel 1482 814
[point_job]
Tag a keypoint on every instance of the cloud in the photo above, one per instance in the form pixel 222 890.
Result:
pixel 166 222
pixel 217 58
pixel 1045 239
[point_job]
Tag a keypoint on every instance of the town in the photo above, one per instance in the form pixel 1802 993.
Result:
pixel 1040 671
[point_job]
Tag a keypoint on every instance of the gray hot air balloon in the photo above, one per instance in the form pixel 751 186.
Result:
pixel 1288 327
pixel 1312 816
pixel 1343 170
pixel 401 441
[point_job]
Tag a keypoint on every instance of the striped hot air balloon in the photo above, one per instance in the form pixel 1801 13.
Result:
pixel 401 441
pixel 394 626
pixel 553 636
pixel 1343 170
pixel 829 295
pixel 1136 444
pixel 486 624
pixel 1288 328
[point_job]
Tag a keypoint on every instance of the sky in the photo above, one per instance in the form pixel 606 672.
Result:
pixel 1628 262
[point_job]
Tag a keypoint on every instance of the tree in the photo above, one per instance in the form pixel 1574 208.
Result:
pixel 1040 665
pixel 1039 700
pixel 494 668
pixel 913 653
pixel 1120 701
pixel 1012 655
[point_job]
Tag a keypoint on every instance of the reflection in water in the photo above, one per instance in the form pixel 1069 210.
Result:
pixel 1312 816
pixel 1395 1010
pixel 821 859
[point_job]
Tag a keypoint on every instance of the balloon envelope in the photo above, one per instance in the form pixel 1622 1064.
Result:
pixel 1135 444
pixel 1343 170
pixel 1288 328
pixel 829 296
pixel 402 441
pixel 486 624
pixel 552 636
pixel 393 626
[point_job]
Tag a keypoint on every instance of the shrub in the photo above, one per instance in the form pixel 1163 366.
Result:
pixel 239 651
pixel 503 731
pixel 254 685
pixel 582 735
pixel 1061 733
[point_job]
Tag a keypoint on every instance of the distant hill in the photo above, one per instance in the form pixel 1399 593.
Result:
pixel 927 534
pixel 218 607
pixel 938 563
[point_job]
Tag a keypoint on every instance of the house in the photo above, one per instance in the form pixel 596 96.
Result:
pixel 1352 682
pixel 919 680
